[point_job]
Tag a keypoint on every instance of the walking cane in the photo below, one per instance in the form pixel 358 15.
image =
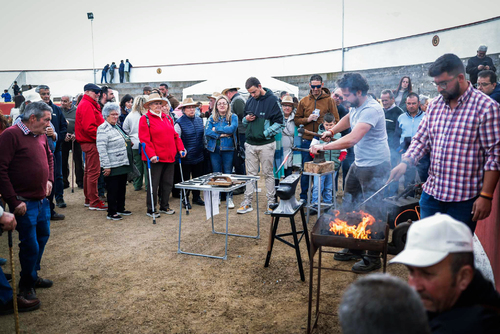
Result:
pixel 150 183
pixel 184 190
pixel 14 292
pixel 72 166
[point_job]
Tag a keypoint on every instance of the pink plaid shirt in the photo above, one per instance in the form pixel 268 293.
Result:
pixel 463 143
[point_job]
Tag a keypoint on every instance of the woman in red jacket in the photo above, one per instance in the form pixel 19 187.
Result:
pixel 156 131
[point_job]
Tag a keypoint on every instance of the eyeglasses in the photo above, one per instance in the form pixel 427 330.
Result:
pixel 315 86
pixel 484 84
pixel 338 97
pixel 443 84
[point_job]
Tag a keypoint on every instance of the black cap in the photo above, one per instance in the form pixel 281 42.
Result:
pixel 92 87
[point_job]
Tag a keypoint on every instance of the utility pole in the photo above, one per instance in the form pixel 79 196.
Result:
pixel 343 53
pixel 90 16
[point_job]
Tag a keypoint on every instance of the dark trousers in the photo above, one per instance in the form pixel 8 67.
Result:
pixel 240 169
pixel 304 179
pixel 122 74
pixel 361 183
pixel 77 158
pixel 58 187
pixel 162 173
pixel 176 193
pixel 190 172
pixel 116 186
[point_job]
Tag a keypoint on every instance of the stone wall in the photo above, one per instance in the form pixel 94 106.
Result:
pixel 383 78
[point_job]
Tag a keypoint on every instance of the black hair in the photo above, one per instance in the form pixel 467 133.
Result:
pixel 252 81
pixel 413 94
pixel 104 90
pixel 164 85
pixel 354 82
pixel 488 74
pixel 124 100
pixel 316 77
pixel 329 117
pixel 459 260
pixel 448 63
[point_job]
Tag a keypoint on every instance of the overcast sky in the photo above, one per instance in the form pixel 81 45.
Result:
pixel 56 34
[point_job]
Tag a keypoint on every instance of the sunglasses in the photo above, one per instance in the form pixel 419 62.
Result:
pixel 315 86
pixel 339 97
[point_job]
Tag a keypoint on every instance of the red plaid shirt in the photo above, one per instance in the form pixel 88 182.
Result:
pixel 463 143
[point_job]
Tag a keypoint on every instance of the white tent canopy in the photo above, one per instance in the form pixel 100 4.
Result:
pixel 218 84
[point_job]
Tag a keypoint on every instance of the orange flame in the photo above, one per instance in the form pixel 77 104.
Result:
pixel 359 231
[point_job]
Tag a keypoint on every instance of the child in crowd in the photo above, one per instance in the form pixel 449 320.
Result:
pixel 331 155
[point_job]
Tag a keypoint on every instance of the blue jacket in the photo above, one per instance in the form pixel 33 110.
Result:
pixel 495 95
pixel 192 137
pixel 221 127
pixel 121 69
pixel 406 127
pixel 60 124
pixel 7 97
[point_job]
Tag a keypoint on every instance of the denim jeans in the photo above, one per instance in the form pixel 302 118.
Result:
pixel 326 189
pixel 461 211
pixel 5 289
pixel 34 232
pixel 222 161
pixel 304 180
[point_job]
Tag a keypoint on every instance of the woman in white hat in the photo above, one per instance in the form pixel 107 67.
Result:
pixel 288 133
pixel 156 131
pixel 191 131
pixel 221 138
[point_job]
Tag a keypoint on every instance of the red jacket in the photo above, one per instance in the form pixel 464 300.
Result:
pixel 87 120
pixel 160 137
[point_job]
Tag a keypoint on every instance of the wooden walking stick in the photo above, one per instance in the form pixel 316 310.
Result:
pixel 14 292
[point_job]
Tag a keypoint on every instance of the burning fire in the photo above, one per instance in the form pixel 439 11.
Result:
pixel 354 225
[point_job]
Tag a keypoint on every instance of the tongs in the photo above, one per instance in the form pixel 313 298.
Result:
pixel 369 198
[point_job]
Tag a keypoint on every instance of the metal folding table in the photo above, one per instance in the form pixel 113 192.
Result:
pixel 199 183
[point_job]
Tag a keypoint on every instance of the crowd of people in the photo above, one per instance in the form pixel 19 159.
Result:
pixel 450 142
pixel 124 69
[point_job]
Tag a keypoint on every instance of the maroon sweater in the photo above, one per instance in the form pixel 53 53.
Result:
pixel 26 164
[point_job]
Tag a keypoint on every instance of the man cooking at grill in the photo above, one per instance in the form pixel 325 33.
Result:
pixel 461 133
pixel 371 166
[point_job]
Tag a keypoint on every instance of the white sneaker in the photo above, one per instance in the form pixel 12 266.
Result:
pixel 245 208
pixel 230 203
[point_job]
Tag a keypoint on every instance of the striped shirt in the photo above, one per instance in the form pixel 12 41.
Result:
pixel 463 143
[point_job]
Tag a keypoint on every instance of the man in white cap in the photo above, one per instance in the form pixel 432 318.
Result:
pixel 479 63
pixel 439 256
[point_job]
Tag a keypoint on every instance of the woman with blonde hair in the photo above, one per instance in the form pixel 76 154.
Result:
pixel 221 138
pixel 131 128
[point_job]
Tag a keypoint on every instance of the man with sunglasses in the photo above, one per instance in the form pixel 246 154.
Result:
pixel 310 112
pixel 479 63
pixel 487 83
pixel 461 133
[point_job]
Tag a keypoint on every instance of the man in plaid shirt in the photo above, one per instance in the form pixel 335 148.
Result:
pixel 462 133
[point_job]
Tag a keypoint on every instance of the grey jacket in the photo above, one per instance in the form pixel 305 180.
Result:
pixel 111 146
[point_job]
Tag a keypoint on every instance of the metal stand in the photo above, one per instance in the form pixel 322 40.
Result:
pixel 198 184
pixel 375 245
pixel 275 218
pixel 309 192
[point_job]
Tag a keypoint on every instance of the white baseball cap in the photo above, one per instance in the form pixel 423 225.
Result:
pixel 431 239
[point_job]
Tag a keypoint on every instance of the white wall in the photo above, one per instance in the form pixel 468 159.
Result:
pixel 462 41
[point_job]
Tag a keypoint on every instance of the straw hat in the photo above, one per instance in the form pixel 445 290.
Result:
pixel 154 98
pixel 187 102
pixel 225 90
pixel 214 96
pixel 287 99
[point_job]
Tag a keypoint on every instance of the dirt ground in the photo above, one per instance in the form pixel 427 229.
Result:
pixel 127 277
